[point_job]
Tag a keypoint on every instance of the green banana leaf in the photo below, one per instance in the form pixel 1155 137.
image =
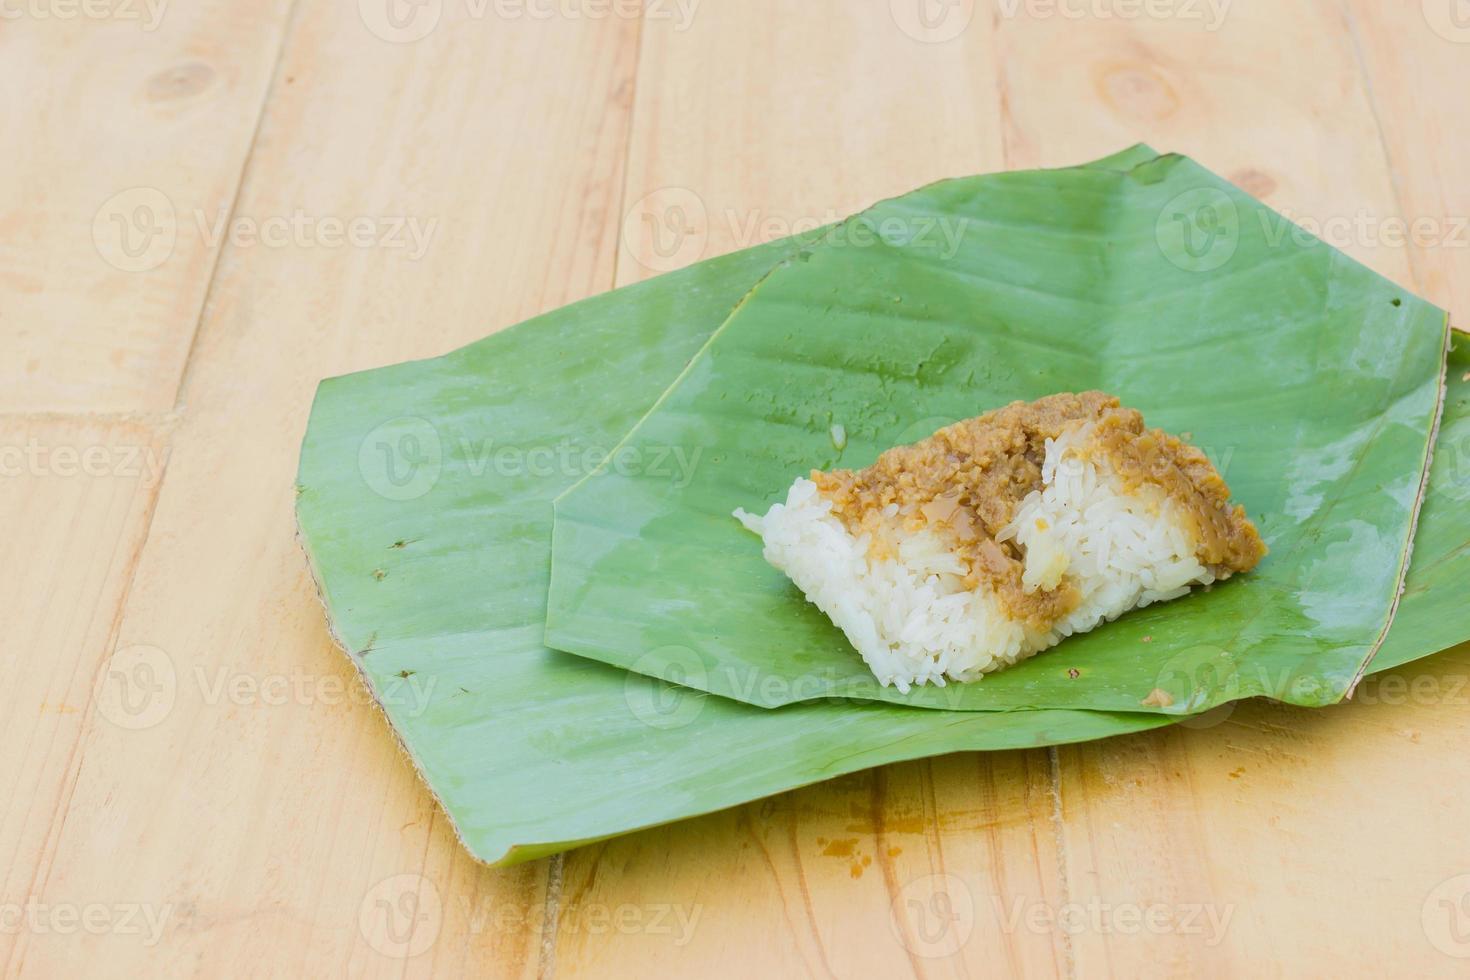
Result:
pixel 1433 613
pixel 1315 383
pixel 432 554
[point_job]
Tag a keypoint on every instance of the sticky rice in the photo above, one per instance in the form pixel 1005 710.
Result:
pixel 998 537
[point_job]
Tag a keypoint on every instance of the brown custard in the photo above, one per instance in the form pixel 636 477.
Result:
pixel 966 480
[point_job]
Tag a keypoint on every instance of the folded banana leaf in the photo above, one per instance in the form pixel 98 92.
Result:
pixel 1433 614
pixel 1314 382
pixel 424 502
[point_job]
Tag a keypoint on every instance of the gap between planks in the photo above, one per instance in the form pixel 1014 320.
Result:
pixel 1365 76
pixel 555 864
pixel 551 916
pixel 1058 825
pixel 288 30
pixel 42 871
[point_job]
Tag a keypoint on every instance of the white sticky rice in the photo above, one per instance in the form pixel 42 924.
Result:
pixel 912 619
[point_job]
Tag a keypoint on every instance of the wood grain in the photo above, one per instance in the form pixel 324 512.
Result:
pixel 1407 61
pixel 810 114
pixel 115 167
pixel 1319 835
pixel 804 113
pixel 1274 99
pixel 915 869
pixel 193 758
pixel 76 498
pixel 266 815
pixel 1342 813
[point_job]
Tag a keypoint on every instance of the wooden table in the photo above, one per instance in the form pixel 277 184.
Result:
pixel 208 207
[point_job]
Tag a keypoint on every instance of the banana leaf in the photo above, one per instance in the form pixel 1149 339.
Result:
pixel 431 556
pixel 1315 383
pixel 1433 614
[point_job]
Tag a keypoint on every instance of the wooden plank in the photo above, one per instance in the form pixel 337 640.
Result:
pixel 929 868
pixel 266 816
pixel 1332 838
pixel 1272 98
pixel 113 170
pixel 1409 64
pixel 1317 836
pixel 809 113
pixel 76 498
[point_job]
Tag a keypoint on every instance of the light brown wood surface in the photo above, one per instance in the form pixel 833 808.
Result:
pixel 151 404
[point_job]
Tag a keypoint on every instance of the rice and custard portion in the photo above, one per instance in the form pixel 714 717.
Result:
pixel 998 536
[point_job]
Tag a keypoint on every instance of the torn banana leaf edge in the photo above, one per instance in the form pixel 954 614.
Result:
pixel 574 625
